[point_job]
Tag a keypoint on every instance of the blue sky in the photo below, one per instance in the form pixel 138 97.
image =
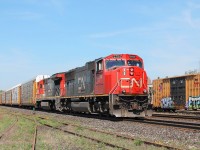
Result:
pixel 49 36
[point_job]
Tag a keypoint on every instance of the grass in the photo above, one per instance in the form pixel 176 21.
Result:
pixel 138 142
pixel 49 122
pixel 5 122
pixel 21 135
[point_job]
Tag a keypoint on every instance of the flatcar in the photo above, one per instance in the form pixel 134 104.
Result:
pixel 115 85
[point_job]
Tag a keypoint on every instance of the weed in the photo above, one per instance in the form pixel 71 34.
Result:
pixel 79 128
pixel 138 142
pixel 101 146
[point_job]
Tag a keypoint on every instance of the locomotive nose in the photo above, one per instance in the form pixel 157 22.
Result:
pixel 132 80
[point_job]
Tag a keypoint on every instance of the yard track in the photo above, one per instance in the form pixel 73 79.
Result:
pixel 35 136
pixel 87 137
pixel 177 116
pixel 9 128
pixel 69 132
pixel 149 120
pixel 111 133
pixel 167 123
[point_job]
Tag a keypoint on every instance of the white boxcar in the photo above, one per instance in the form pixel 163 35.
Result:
pixel 8 97
pixel 16 95
pixel 0 98
pixel 3 97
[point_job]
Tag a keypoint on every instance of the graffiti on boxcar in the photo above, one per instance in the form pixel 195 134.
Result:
pixel 193 102
pixel 160 87
pixel 196 83
pixel 167 103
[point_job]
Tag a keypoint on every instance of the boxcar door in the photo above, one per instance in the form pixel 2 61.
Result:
pixel 99 77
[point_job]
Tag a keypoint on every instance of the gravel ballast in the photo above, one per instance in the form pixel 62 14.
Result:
pixel 180 138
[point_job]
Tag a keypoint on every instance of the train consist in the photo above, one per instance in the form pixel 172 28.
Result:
pixel 180 92
pixel 114 85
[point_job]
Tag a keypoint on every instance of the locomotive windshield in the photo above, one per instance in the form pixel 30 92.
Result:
pixel 134 63
pixel 114 63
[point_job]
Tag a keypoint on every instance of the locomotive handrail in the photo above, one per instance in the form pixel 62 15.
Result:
pixel 111 94
pixel 114 87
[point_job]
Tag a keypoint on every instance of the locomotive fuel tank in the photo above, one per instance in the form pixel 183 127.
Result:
pixel 80 106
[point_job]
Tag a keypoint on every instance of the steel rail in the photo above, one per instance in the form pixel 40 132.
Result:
pixel 35 136
pixel 87 137
pixel 113 119
pixel 177 124
pixel 118 135
pixel 177 116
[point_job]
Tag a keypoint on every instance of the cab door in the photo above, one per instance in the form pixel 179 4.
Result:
pixel 99 77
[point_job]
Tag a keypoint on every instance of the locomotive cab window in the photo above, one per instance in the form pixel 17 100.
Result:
pixel 135 63
pixel 100 65
pixel 111 64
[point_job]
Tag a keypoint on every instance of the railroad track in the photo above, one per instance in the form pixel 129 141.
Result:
pixel 177 124
pixel 69 132
pixel 109 133
pixel 30 117
pixel 87 137
pixel 177 116
pixel 9 128
pixel 35 136
pixel 147 121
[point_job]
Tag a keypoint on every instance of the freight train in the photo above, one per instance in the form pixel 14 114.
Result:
pixel 175 93
pixel 115 85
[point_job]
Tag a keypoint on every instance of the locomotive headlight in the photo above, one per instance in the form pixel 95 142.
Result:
pixel 131 70
pixel 144 91
pixel 123 91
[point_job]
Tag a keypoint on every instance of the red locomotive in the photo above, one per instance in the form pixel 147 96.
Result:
pixel 115 85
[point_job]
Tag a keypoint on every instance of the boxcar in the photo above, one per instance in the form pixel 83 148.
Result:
pixel 3 98
pixel 28 91
pixel 179 92
pixel 16 95
pixel 0 98
pixel 9 97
